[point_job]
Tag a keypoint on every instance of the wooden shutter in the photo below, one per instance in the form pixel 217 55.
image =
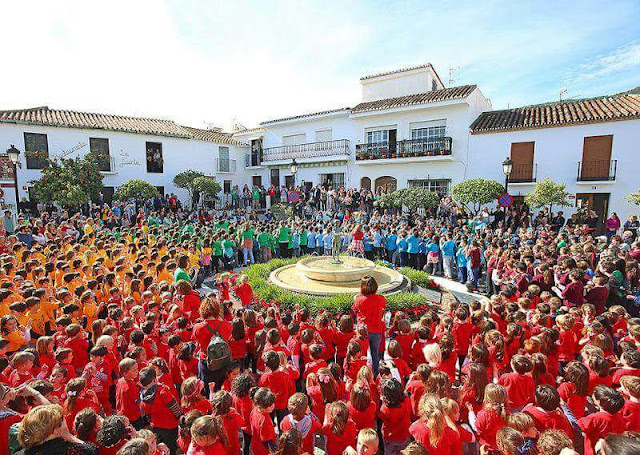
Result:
pixel 596 157
pixel 522 157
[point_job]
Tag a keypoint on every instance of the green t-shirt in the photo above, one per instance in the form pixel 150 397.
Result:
pixel 223 225
pixel 247 234
pixel 217 249
pixel 256 193
pixel 263 239
pixel 285 234
pixel 181 274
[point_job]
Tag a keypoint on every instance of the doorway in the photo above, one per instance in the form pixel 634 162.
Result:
pixel 365 183
pixel 288 181
pixel 275 177
pixel 598 202
pixel 386 183
pixel 257 181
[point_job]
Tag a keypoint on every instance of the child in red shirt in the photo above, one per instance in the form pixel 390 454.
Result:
pixel 395 414
pixel 342 337
pixel 492 416
pixel 547 414
pixel 222 403
pixel 263 435
pixel 362 409
pixel 301 418
pixel 354 360
pixel 519 385
pixel 338 428
pixel 316 361
pixel 192 399
pixel 79 345
pixel 277 381
pixel 608 420
pixel 208 437
pixel 244 291
pixel 98 376
pixel 128 393
pixel 630 388
pixel 238 341
pixel 432 416
pixel 22 365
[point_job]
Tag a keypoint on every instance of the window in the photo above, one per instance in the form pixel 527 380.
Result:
pixel 226 186
pixel 160 190
pixel 335 180
pixel 430 132
pixel 256 152
pixel 437 186
pixel 522 157
pixel 155 163
pixel 99 147
pixel 434 84
pixel 294 139
pixel 36 150
pixel 596 159
pixel 324 135
pixel 376 137
pixel 223 160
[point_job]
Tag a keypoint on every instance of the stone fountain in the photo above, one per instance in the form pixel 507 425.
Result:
pixel 329 275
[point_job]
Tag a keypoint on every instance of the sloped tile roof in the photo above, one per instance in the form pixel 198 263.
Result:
pixel 401 70
pixel 433 96
pixel 561 113
pixel 312 114
pixel 72 119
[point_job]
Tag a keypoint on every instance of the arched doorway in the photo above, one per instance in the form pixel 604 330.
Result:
pixel 365 183
pixel 386 183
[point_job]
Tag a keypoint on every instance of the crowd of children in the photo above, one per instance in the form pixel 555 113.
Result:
pixel 106 347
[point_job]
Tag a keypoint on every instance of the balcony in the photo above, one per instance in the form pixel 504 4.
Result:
pixel 225 165
pixel 438 146
pixel 106 164
pixel 597 171
pixel 523 173
pixel 253 160
pixel 308 150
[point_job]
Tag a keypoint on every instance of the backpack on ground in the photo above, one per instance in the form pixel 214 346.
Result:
pixel 218 352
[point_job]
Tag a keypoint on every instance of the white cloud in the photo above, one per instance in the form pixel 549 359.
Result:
pixel 622 59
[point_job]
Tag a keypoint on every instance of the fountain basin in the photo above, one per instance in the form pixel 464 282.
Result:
pixel 323 268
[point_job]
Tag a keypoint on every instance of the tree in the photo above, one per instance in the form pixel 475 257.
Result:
pixel 634 198
pixel 548 193
pixel 185 180
pixel 411 198
pixel 69 182
pixel 475 193
pixel 206 185
pixel 136 189
pixel 281 211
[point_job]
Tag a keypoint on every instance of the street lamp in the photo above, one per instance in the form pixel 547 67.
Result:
pixel 294 170
pixel 507 167
pixel 14 155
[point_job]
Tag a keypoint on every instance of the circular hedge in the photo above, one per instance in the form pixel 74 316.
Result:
pixel 410 302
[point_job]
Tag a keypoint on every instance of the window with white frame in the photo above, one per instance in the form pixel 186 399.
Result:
pixel 294 139
pixel 429 132
pixel 335 180
pixel 324 135
pixel 378 136
pixel 440 186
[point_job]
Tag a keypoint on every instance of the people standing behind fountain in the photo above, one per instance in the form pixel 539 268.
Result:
pixel 369 309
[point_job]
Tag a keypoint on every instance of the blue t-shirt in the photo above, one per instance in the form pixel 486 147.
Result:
pixel 328 240
pixel 367 243
pixel 402 245
pixel 391 242
pixel 449 248
pixel 461 258
pixel 413 244
pixel 311 240
pixel 319 239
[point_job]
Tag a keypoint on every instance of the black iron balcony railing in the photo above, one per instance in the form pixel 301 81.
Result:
pixel 589 171
pixel 252 159
pixel 523 173
pixel 308 150
pixel 436 146
pixel 225 165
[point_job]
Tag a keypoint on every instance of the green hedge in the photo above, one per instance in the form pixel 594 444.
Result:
pixel 259 279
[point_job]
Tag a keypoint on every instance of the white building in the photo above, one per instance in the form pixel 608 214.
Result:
pixel 409 130
pixel 148 149
pixel 591 145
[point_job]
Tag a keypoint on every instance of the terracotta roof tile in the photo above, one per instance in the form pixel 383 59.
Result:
pixel 312 114
pixel 570 112
pixel 138 125
pixel 433 96
pixel 401 70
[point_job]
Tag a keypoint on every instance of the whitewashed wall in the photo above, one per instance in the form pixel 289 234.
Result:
pixel 556 154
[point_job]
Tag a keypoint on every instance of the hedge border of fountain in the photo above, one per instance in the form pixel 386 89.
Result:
pixel 258 274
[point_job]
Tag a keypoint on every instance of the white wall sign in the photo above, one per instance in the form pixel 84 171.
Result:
pixel 127 161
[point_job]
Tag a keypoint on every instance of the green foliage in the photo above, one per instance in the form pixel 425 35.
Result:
pixel 136 189
pixel 634 198
pixel 259 274
pixel 412 198
pixel 69 182
pixel 475 193
pixel 206 185
pixel 417 277
pixel 548 193
pixel 186 179
pixel 282 211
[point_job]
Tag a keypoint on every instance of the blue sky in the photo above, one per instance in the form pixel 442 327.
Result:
pixel 209 62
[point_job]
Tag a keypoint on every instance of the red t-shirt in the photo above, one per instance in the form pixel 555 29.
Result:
pixel 336 444
pixel 158 408
pixel 576 403
pixel 341 340
pixel 415 389
pixel 244 293
pixel 369 309
pixel 7 419
pixel 626 371
pixel 449 444
pixel 214 449
pixel 395 421
pixel 278 382
pixel 520 388
pixel 262 431
pixel 80 349
pixel 233 422
pixel 488 422
pixel 244 406
pixel 238 348
pixel 462 335
pixel 631 415
pixel 127 398
pixel 191 305
pixel 599 425
pixel 363 419
pixel 555 420
pixel 567 346
pixel 406 341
